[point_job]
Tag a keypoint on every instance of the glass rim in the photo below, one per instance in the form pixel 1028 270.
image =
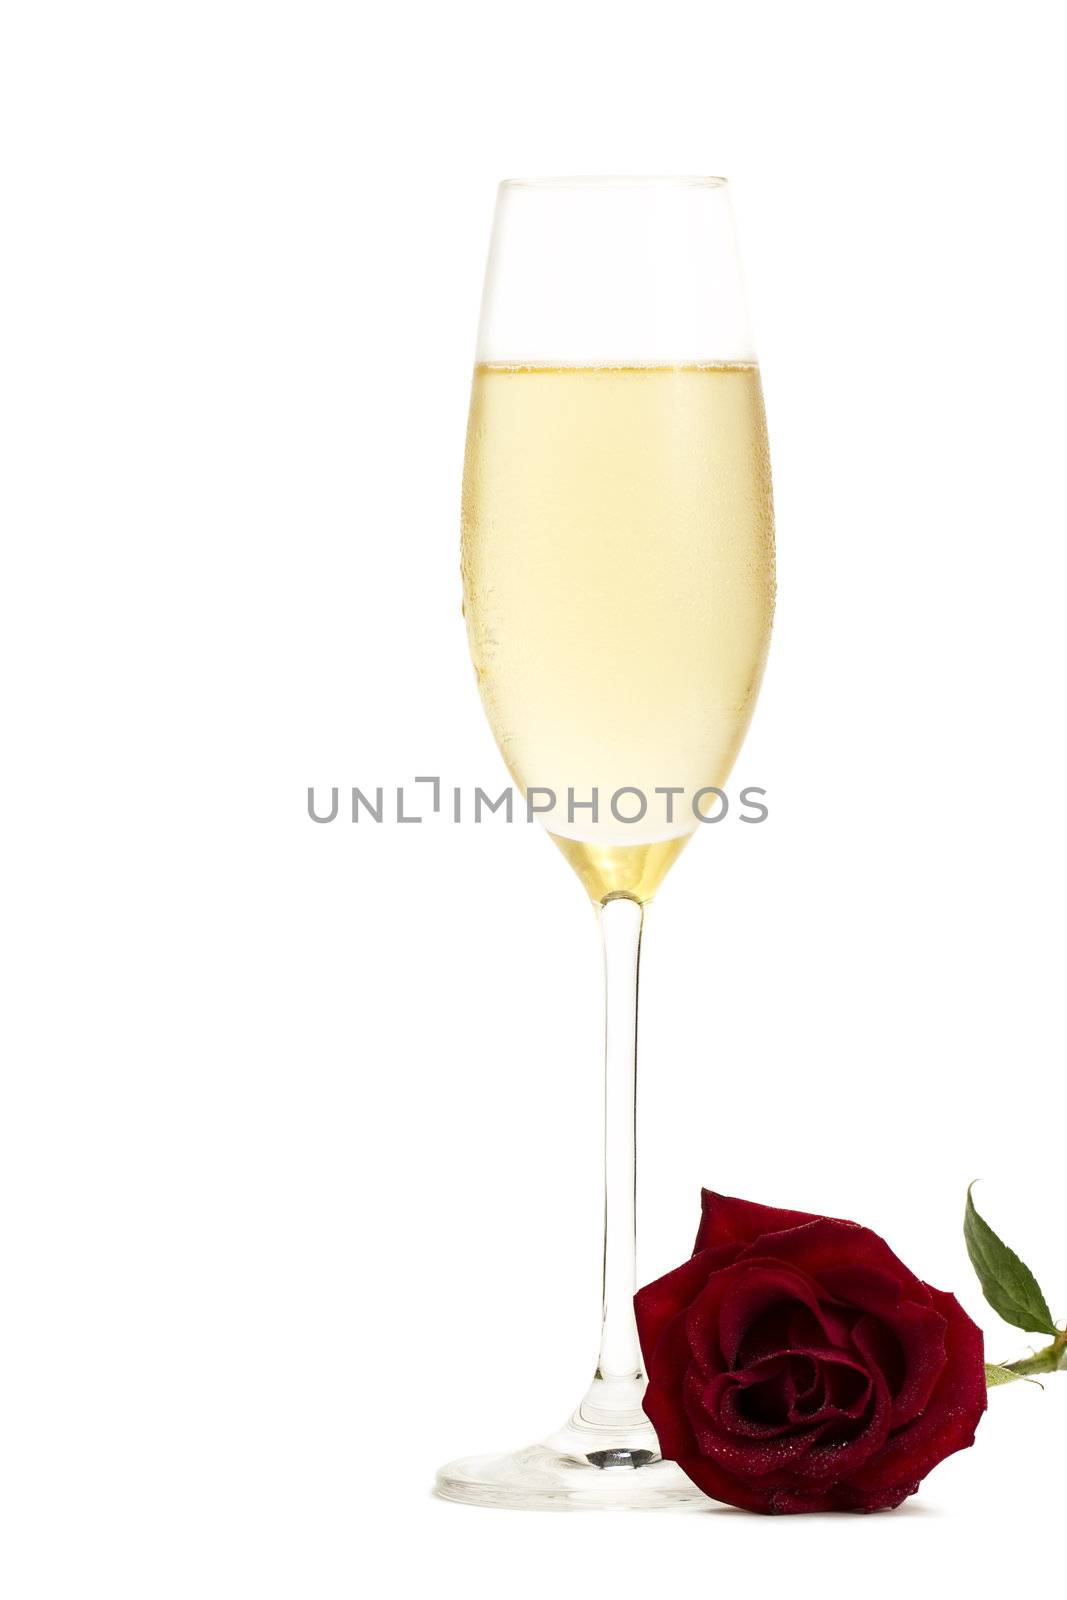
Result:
pixel 622 181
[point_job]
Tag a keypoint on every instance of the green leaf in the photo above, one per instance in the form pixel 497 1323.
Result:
pixel 996 1375
pixel 1007 1283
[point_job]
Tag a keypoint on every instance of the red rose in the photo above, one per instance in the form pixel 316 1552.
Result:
pixel 795 1364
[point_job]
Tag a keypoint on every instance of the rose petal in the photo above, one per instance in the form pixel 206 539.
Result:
pixel 919 1336
pixel 772 1497
pixel 721 1400
pixel 952 1412
pixel 752 1456
pixel 826 1245
pixel 785 1502
pixel 658 1303
pixel 769 1394
pixel 846 1395
pixel 754 1290
pixel 871 1288
pixel 725 1220
pixel 843 1447
pixel 714 1481
pixel 811 1370
pixel 662 1401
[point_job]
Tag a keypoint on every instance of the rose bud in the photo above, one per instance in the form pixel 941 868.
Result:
pixel 796 1364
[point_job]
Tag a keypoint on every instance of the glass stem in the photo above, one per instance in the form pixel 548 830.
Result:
pixel 619 1365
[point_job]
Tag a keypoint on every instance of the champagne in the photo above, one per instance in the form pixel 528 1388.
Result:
pixel 618 572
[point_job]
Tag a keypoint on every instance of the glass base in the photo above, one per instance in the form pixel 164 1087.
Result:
pixel 605 1458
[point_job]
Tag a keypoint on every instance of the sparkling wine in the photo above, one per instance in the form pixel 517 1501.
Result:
pixel 618 571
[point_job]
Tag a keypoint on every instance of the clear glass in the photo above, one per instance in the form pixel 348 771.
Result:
pixel 618 566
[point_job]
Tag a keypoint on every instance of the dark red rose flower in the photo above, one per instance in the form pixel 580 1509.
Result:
pixel 795 1364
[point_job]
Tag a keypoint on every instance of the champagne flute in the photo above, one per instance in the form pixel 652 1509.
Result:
pixel 618 572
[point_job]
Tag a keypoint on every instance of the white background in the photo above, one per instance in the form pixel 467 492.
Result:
pixel 300 1167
